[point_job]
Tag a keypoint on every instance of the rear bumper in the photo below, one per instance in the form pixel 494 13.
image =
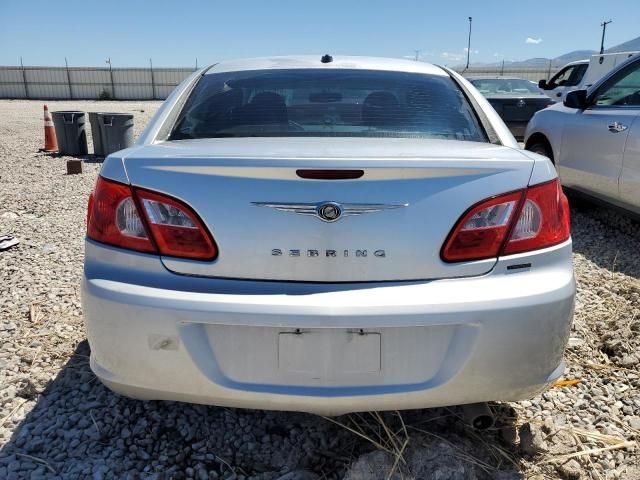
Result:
pixel 327 349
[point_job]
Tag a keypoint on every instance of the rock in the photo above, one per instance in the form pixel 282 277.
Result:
pixel 203 474
pixel 375 465
pixel 532 440
pixel 509 435
pixel 629 361
pixel 571 470
pixel 437 459
pixel 575 342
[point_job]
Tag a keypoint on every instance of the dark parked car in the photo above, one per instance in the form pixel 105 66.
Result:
pixel 515 100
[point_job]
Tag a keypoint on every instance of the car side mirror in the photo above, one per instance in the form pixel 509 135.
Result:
pixel 576 99
pixel 543 84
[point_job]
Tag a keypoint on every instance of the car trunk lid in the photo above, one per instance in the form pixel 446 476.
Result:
pixel 519 109
pixel 394 218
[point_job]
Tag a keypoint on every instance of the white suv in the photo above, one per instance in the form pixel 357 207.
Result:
pixel 594 137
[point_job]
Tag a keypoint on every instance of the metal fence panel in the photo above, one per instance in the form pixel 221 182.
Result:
pixel 171 76
pixel 132 76
pixel 49 90
pixel 12 90
pixel 90 83
pixel 139 84
pixel 11 74
pixel 46 76
pixel 533 74
pixel 90 91
pixel 163 91
pixel 89 75
pixel 134 92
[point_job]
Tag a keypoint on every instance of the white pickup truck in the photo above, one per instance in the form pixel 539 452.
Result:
pixel 581 74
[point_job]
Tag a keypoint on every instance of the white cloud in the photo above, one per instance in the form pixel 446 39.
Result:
pixel 534 41
pixel 472 51
pixel 452 56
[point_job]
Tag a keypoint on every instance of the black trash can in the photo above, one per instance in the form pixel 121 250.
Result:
pixel 96 134
pixel 71 132
pixel 116 130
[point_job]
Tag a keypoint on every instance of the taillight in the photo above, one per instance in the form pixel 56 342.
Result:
pixel 515 222
pixel 166 226
pixel 176 229
pixel 480 233
pixel 543 221
pixel 115 220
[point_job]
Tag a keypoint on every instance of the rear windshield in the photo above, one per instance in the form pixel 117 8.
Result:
pixel 336 103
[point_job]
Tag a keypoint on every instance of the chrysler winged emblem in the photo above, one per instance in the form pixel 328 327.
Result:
pixel 330 211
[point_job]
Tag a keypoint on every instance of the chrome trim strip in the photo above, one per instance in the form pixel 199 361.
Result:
pixel 316 209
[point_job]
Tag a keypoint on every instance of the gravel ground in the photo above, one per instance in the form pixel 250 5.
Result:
pixel 58 421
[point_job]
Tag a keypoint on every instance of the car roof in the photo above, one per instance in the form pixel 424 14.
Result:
pixel 494 77
pixel 614 71
pixel 339 61
pixel 577 62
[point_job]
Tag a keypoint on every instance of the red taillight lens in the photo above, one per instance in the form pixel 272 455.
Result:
pixel 480 233
pixel 114 219
pixel 543 221
pixel 511 223
pixel 177 230
pixel 166 226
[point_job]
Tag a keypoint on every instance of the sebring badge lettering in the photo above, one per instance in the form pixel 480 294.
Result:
pixel 328 253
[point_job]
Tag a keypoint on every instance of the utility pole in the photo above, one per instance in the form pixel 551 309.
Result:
pixel 469 42
pixel 153 83
pixel 113 88
pixel 604 29
pixel 66 64
pixel 24 80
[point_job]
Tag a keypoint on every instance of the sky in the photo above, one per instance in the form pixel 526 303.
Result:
pixel 174 34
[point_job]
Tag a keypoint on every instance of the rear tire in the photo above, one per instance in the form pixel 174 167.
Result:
pixel 541 148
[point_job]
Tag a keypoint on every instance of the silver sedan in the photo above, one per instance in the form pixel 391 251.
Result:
pixel 327 235
pixel 594 138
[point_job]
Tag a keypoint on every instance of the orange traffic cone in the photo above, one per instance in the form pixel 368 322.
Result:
pixel 50 139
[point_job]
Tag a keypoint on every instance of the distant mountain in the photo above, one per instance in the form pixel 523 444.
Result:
pixel 573 56
pixel 631 45
pixel 555 62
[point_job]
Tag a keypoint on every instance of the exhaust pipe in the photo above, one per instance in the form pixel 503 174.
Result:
pixel 478 415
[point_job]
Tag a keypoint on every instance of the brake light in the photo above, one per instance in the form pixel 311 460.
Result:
pixel 515 222
pixel 113 218
pixel 544 219
pixel 146 222
pixel 480 233
pixel 176 229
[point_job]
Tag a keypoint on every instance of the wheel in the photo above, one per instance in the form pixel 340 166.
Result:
pixel 542 149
